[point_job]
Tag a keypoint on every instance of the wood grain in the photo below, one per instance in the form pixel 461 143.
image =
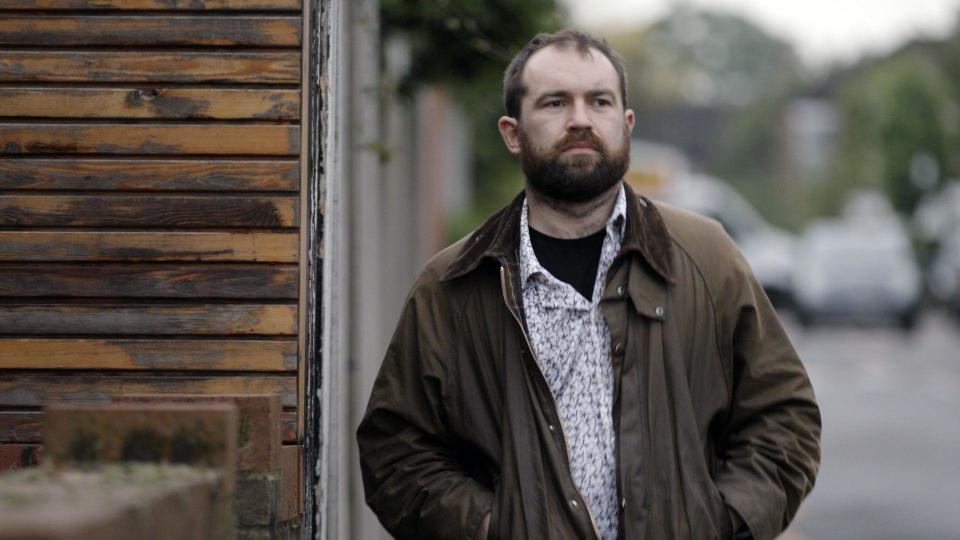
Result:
pixel 260 67
pixel 233 281
pixel 156 211
pixel 153 4
pixel 43 246
pixel 149 103
pixel 120 319
pixel 289 427
pixel 149 139
pixel 21 426
pixel 151 30
pixel 130 174
pixel 31 389
pixel 27 426
pixel 145 354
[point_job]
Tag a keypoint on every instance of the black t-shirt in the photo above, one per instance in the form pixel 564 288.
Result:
pixel 572 261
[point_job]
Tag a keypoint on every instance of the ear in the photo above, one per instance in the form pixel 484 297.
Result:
pixel 510 131
pixel 631 119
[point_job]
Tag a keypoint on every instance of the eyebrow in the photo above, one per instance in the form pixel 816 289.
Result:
pixel 552 94
pixel 565 94
pixel 604 92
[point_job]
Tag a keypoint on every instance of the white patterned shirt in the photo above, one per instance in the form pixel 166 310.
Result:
pixel 571 342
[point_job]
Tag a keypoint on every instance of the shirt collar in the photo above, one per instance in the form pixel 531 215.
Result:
pixel 530 266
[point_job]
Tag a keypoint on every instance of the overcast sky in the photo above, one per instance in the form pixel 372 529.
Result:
pixel 823 30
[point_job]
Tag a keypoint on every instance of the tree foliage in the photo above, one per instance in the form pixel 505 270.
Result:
pixel 705 57
pixel 901 129
pixel 695 60
pixel 461 42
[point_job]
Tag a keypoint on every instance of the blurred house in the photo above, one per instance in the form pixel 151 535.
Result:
pixel 694 129
pixel 810 129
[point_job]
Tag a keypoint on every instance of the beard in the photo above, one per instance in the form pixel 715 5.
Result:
pixel 578 178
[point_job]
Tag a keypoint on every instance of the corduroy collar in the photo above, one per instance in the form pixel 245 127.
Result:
pixel 498 238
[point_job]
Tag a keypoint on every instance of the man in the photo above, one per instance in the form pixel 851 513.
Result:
pixel 587 363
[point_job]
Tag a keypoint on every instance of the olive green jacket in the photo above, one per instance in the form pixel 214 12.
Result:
pixel 712 408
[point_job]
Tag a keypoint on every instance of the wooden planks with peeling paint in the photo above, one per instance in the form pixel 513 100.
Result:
pixel 27 426
pixel 146 102
pixel 150 202
pixel 149 139
pixel 134 281
pixel 149 354
pixel 33 389
pixel 127 174
pixel 148 211
pixel 165 5
pixel 83 66
pixel 149 319
pixel 152 246
pixel 149 30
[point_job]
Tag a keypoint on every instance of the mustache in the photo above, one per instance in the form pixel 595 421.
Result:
pixel 577 137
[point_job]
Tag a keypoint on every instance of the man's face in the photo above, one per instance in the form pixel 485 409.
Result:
pixel 573 135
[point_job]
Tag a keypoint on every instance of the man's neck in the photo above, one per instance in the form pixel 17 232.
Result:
pixel 570 220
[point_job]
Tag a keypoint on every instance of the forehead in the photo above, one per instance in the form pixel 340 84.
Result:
pixel 564 68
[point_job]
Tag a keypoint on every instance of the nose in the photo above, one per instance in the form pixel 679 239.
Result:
pixel 579 116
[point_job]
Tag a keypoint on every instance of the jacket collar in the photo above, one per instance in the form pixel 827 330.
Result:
pixel 499 237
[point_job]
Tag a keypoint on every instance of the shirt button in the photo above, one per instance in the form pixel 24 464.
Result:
pixel 552 428
pixel 618 348
pixel 623 503
pixel 659 311
pixel 574 503
pixel 620 290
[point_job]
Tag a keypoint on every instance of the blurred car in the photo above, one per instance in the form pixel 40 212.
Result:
pixel 654 167
pixel 944 273
pixel 857 270
pixel 769 250
pixel 937 219
pixel 868 204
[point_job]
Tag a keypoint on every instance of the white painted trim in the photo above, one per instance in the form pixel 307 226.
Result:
pixel 333 493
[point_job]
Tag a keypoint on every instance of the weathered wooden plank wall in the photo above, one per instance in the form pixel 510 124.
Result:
pixel 169 103
pixel 225 66
pixel 150 214
pixel 265 5
pixel 90 174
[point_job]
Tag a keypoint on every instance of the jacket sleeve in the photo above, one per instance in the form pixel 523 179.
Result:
pixel 412 477
pixel 771 452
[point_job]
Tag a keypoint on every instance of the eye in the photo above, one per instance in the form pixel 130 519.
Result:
pixel 602 102
pixel 554 104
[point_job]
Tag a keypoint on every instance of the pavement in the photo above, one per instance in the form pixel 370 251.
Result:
pixel 890 402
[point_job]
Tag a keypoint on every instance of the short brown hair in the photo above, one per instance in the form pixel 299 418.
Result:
pixel 513 89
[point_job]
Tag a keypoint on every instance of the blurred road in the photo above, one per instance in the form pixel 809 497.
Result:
pixel 891 431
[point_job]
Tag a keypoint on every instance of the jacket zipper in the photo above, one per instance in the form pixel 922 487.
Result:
pixel 553 401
